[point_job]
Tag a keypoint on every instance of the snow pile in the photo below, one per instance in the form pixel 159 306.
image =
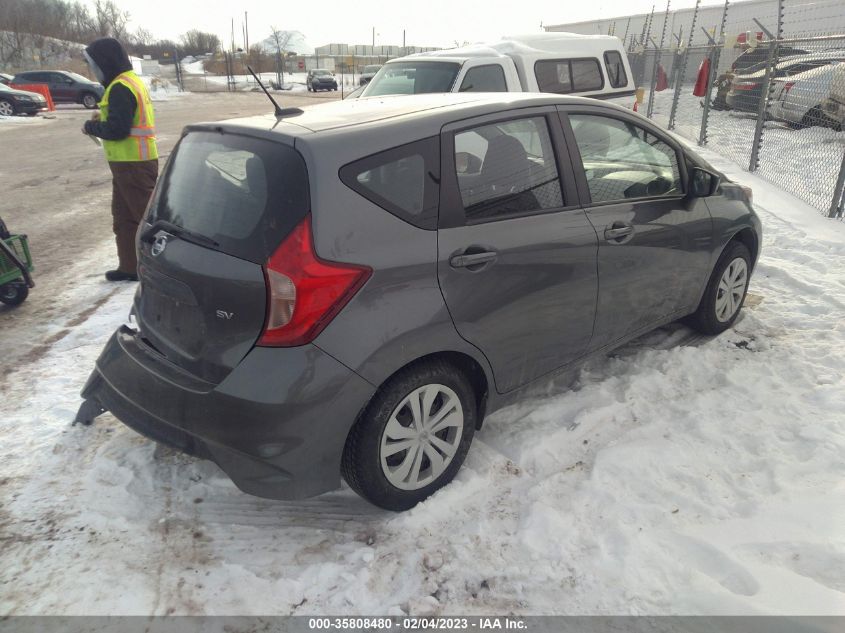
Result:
pixel 681 475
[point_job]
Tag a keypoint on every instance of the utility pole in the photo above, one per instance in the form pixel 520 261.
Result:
pixel 246 32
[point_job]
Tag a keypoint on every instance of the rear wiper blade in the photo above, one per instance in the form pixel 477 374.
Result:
pixel 189 236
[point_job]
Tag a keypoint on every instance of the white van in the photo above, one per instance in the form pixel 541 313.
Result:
pixel 561 63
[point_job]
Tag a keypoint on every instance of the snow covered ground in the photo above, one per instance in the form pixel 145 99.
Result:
pixel 681 475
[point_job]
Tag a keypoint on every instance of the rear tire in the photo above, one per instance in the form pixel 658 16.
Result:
pixel 816 117
pixel 89 100
pixel 725 291
pixel 425 451
pixel 14 293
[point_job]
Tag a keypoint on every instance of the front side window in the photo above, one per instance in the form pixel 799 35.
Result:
pixel 507 168
pixel 623 160
pixel 401 180
pixel 490 78
pixel 615 69
pixel 564 76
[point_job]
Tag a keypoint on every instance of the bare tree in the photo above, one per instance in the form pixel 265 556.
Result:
pixel 280 42
pixel 196 42
pixel 110 19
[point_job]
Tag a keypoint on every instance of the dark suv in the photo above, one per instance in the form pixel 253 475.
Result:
pixel 65 87
pixel 349 289
pixel 320 79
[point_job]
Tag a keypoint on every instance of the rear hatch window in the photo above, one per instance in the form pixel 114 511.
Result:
pixel 246 194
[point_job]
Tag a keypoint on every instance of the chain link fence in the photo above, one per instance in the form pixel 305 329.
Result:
pixel 773 104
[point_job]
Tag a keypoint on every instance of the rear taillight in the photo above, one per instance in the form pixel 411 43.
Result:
pixel 787 87
pixel 304 293
pixel 750 86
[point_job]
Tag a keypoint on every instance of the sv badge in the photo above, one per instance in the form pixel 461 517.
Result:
pixel 222 314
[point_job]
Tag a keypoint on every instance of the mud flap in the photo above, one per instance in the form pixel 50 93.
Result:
pixel 88 410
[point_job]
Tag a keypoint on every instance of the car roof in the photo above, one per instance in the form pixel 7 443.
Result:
pixel 428 110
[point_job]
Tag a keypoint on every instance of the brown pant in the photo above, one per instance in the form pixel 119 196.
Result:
pixel 132 185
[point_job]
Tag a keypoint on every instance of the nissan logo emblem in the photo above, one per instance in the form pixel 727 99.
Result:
pixel 159 245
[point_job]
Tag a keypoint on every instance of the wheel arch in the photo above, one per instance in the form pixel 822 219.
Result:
pixel 463 362
pixel 747 237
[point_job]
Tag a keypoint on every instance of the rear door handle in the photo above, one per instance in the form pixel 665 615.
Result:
pixel 618 231
pixel 472 259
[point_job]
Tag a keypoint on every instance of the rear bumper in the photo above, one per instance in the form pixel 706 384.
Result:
pixel 276 425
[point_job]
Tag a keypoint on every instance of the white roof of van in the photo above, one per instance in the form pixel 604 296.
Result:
pixel 533 44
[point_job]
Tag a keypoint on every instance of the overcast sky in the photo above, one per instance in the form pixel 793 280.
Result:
pixel 427 22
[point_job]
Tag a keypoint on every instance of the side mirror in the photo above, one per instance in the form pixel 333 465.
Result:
pixel 702 183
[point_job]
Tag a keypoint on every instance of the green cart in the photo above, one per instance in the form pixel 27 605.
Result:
pixel 15 267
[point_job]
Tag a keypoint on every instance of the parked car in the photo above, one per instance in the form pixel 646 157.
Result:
pixel 320 79
pixel 368 73
pixel 560 63
pixel 14 101
pixel 753 59
pixel 65 87
pixel 5 78
pixel 746 89
pixel 349 290
pixel 800 100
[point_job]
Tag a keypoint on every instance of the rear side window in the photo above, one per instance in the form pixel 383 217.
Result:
pixel 563 76
pixel 615 69
pixel 402 180
pixel 489 78
pixel 507 169
pixel 244 193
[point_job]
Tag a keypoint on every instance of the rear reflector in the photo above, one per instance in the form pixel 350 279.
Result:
pixel 787 87
pixel 304 292
pixel 745 86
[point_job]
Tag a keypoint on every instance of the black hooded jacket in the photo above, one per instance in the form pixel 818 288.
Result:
pixel 112 59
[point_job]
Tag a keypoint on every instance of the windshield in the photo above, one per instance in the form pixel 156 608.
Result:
pixel 407 78
pixel 371 69
pixel 320 72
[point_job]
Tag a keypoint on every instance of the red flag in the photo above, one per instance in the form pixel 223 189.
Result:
pixel 703 76
pixel 662 79
pixel 636 103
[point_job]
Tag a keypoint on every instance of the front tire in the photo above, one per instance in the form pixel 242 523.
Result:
pixel 89 100
pixel 7 108
pixel 725 292
pixel 412 438
pixel 14 293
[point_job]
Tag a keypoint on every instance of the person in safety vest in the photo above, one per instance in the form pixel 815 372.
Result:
pixel 126 124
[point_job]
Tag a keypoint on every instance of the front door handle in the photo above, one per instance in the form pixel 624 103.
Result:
pixel 473 260
pixel 618 231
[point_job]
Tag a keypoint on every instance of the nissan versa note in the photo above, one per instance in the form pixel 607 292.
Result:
pixel 346 290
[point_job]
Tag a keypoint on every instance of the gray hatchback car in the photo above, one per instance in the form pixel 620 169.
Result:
pixel 347 290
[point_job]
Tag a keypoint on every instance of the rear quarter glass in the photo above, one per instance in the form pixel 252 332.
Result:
pixel 244 193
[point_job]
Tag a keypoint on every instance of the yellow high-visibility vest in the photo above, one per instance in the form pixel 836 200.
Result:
pixel 141 142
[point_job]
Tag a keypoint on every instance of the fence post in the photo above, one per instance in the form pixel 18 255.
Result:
pixel 683 72
pixel 702 135
pixel 762 109
pixel 838 202
pixel 657 57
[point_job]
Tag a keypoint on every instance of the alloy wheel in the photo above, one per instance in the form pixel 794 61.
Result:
pixel 731 289
pixel 421 437
pixel 6 108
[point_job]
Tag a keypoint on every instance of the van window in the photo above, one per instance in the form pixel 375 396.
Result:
pixel 409 78
pixel 244 193
pixel 506 169
pixel 490 78
pixel 623 160
pixel 563 76
pixel 402 180
pixel 615 69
